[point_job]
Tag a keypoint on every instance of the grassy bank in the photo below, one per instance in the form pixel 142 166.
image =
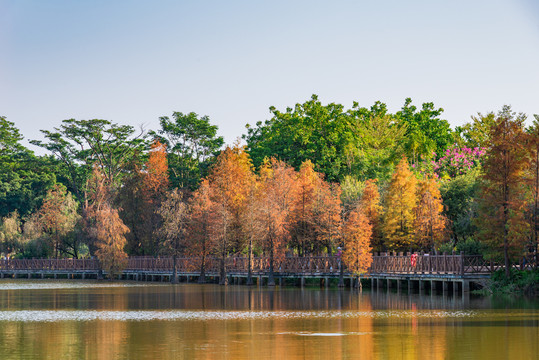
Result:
pixel 519 282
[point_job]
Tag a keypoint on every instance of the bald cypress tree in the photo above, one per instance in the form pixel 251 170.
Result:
pixel 400 203
pixel 501 218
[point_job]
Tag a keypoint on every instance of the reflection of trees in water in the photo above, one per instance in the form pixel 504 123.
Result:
pixel 382 300
pixel 366 336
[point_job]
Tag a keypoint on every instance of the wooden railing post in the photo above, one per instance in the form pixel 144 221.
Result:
pixel 462 262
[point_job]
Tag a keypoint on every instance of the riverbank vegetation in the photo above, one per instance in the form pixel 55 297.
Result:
pixel 519 282
pixel 311 180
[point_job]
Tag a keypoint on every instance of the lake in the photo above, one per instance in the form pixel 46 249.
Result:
pixel 63 319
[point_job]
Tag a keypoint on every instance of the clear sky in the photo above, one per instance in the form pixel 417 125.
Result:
pixel 134 61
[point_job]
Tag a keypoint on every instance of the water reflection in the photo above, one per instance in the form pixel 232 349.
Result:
pixel 88 320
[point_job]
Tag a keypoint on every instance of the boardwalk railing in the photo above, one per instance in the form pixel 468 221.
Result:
pixel 312 264
pixel 429 264
pixel 382 264
pixel 49 264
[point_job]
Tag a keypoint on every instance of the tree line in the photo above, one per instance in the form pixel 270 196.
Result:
pixel 313 180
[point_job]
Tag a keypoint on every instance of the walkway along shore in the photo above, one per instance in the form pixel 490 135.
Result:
pixel 454 273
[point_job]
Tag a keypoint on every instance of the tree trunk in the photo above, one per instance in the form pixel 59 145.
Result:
pixel 223 280
pixel 536 199
pixel 202 277
pixel 174 278
pixel 250 264
pixel 505 223
pixel 271 279
pixel 341 272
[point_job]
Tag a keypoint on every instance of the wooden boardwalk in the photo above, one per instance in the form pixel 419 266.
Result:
pixel 458 265
pixel 416 272
pixel 387 270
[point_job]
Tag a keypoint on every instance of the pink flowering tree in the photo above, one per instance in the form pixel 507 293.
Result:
pixel 458 161
pixel 453 162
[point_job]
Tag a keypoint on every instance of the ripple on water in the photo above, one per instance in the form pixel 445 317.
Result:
pixel 59 284
pixel 174 315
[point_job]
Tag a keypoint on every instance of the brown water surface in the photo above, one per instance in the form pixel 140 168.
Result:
pixel 101 320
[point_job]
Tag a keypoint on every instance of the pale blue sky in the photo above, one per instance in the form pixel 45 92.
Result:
pixel 133 61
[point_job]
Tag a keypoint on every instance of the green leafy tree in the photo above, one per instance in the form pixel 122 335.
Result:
pixel 426 134
pixel 477 132
pixel 24 178
pixel 192 143
pixel 459 196
pixel 309 131
pixel 351 192
pixel 10 138
pixel 79 144
pixel 378 142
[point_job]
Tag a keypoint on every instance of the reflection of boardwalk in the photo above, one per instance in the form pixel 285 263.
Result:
pixel 386 270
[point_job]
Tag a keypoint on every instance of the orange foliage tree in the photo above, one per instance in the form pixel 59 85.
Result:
pixel 371 207
pixel 156 179
pixel 276 200
pixel 400 205
pixel 201 234
pixel 533 178
pixel 327 215
pixel 302 229
pixel 356 239
pixel 430 223
pixel 251 224
pixel 230 179
pixel 174 213
pixel 154 188
pixel 501 221
pixel 140 196
pixel 103 224
pixel 58 216
pixel 110 236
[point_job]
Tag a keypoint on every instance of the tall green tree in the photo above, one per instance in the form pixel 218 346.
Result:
pixel 309 131
pixel 192 142
pixel 460 198
pixel 426 134
pixel 79 144
pixel 10 138
pixel 477 132
pixel 377 142
pixel 24 178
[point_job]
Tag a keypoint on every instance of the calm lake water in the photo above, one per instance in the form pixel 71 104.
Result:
pixel 129 320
